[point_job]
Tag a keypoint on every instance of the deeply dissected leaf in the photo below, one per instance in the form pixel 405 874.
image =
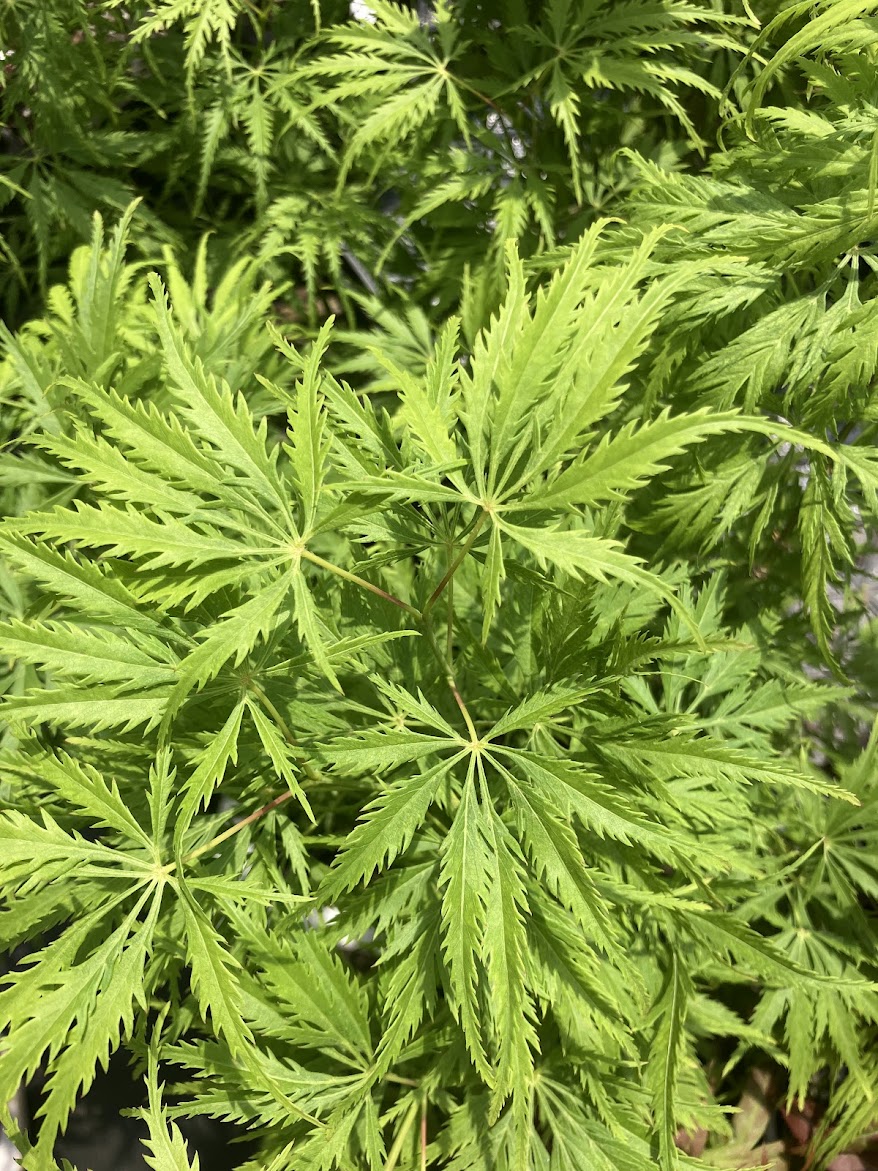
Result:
pixel 437 605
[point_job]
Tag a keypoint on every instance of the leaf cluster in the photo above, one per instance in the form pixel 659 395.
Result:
pixel 444 736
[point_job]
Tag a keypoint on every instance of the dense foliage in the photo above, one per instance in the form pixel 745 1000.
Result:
pixel 437 623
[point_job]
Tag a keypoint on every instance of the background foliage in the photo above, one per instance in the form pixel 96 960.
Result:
pixel 443 736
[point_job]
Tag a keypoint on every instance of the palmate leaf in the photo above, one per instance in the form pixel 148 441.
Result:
pixel 99 1033
pixel 666 1054
pixel 214 977
pixel 555 854
pixel 579 554
pixel 164 542
pixel 102 464
pixel 601 49
pixel 309 447
pixel 167 1149
pixel 232 638
pixel 99 657
pixel 85 789
pixel 212 762
pixel 321 1004
pixel 224 422
pixel 81 582
pixel 464 876
pixel 96 708
pixel 622 463
pixel 75 1008
pixel 79 1015
pixel 393 59
pixel 387 828
pixel 596 806
pixel 505 951
pixel 690 757
pixel 74 1002
pixel 280 753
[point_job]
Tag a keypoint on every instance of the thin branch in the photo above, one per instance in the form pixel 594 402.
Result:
pixel 402 1135
pixel 455 565
pixel 451 681
pixel 237 827
pixel 360 581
